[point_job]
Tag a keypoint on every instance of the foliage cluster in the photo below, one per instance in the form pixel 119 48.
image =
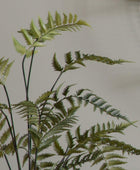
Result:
pixel 53 113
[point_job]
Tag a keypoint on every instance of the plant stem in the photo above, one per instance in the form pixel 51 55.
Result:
pixel 36 152
pixel 27 83
pixel 6 159
pixel 43 105
pixel 13 128
pixel 56 80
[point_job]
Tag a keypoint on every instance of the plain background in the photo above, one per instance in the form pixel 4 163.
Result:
pixel 115 33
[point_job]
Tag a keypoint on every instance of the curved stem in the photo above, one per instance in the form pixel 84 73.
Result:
pixel 23 71
pixel 13 128
pixel 27 83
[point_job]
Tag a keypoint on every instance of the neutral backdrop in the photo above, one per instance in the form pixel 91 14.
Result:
pixel 115 33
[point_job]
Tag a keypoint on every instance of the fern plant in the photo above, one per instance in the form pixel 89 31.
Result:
pixel 53 114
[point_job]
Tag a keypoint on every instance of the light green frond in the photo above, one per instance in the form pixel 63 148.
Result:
pixel 19 48
pixel 34 30
pixel 4 69
pixel 35 37
pixel 27 37
pixel 42 26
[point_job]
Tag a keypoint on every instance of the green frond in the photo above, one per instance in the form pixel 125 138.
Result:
pixel 42 26
pixel 59 150
pixel 25 158
pixel 117 145
pixel 40 157
pixel 67 89
pixel 56 65
pixel 113 155
pixel 2 123
pixel 63 125
pixel 22 139
pixel 28 38
pixel 35 37
pixel 101 104
pixel 69 138
pixel 5 67
pixel 44 97
pixel 46 164
pixel 35 135
pixel 50 23
pixel 26 108
pixel 47 142
pixel 5 136
pixel 115 162
pixel 101 59
pixel 68 58
pixel 60 106
pixel 34 30
pixel 19 48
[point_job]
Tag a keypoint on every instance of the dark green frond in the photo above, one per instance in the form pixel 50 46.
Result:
pixel 56 64
pixel 69 138
pixel 5 136
pixel 2 123
pixel 58 148
pixel 101 104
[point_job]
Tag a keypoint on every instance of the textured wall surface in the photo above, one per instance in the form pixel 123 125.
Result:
pixel 115 33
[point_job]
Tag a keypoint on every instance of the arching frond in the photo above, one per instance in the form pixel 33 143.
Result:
pixel 100 103
pixel 35 37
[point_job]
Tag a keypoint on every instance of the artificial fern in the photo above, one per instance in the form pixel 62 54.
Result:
pixel 54 113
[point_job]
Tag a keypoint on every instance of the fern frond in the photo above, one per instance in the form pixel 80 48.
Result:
pixel 40 157
pixel 59 150
pixel 44 97
pixel 101 104
pixel 47 142
pixel 35 37
pixel 2 123
pixel 5 136
pixel 5 67
pixel 19 47
pixel 27 108
pixel 56 65
pixel 120 146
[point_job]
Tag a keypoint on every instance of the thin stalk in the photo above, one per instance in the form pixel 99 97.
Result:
pixel 13 128
pixel 56 80
pixel 36 153
pixel 6 159
pixel 27 83
pixel 53 86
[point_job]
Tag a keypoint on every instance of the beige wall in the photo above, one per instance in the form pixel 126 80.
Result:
pixel 115 33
